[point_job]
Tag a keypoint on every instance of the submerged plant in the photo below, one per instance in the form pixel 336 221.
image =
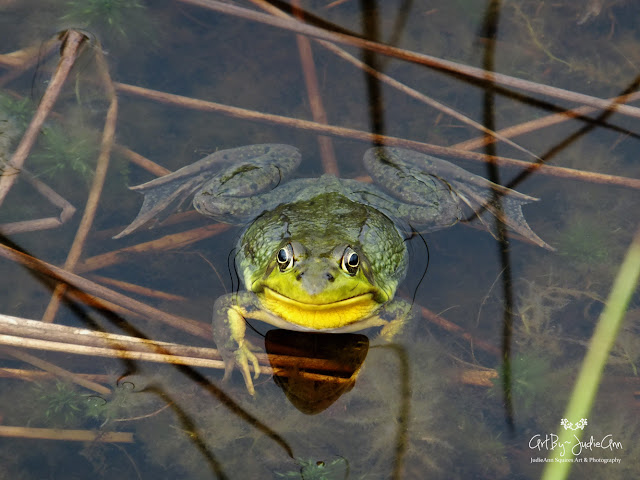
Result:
pixel 585 240
pixel 66 153
pixel 14 118
pixel 116 19
pixel 62 404
pixel 336 469
pixel 604 336
pixel 530 380
pixel 19 111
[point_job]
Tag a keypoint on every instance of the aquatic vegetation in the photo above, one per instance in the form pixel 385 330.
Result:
pixel 116 20
pixel 123 402
pixel 608 327
pixel 584 239
pixel 531 380
pixel 626 352
pixel 14 118
pixel 66 152
pixel 19 111
pixel 537 325
pixel 62 149
pixel 335 469
pixel 61 403
pixel 114 14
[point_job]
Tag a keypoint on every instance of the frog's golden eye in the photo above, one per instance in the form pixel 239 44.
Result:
pixel 284 257
pixel 350 261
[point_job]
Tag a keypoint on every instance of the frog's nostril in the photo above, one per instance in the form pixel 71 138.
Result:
pixel 299 276
pixel 329 277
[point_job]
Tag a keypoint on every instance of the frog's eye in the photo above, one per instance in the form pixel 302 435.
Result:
pixel 350 261
pixel 284 257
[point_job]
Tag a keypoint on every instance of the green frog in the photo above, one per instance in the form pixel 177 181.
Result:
pixel 322 254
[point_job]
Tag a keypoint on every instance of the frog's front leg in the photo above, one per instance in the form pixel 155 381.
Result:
pixel 230 313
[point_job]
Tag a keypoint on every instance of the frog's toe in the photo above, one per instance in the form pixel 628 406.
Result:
pixel 391 330
pixel 243 356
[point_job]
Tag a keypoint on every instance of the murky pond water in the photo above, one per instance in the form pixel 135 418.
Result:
pixel 192 78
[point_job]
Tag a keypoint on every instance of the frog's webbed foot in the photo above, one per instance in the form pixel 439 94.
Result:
pixel 243 356
pixel 229 325
pixel 235 173
pixel 440 188
pixel 475 193
pixel 163 196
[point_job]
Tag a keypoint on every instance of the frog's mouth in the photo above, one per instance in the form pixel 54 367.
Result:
pixel 320 316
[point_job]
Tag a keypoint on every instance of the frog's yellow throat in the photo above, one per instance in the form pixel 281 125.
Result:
pixel 320 316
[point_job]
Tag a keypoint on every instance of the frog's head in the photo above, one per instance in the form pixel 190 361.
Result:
pixel 323 280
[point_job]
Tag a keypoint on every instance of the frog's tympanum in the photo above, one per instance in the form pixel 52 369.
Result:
pixel 323 254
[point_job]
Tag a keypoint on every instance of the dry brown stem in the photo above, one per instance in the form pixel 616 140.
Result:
pixel 539 123
pixel 458 331
pixel 168 242
pixel 327 153
pixel 32 329
pixel 108 352
pixel 56 370
pixel 142 162
pixel 25 59
pixel 42 223
pixel 419 58
pixel 431 149
pixel 478 378
pixel 21 332
pixel 68 435
pixel 96 188
pixel 394 83
pixel 35 375
pixel 138 289
pixel 71 44
pixel 193 327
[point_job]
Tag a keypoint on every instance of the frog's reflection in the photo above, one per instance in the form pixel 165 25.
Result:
pixel 315 369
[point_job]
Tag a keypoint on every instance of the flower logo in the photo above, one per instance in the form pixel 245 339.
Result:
pixel 570 426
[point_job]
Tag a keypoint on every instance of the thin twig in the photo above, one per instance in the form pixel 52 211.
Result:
pixel 142 417
pixel 56 370
pixel 96 188
pixel 478 378
pixel 64 434
pixel 539 123
pixel 47 336
pixel 25 328
pixel 459 331
pixel 327 153
pixel 25 59
pixel 419 58
pixel 71 44
pixel 69 348
pixel 32 375
pixel 142 162
pixel 168 242
pixel 392 82
pixel 285 365
pixel 436 150
pixel 193 327
pixel 46 223
pixel 42 223
pixel 138 289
